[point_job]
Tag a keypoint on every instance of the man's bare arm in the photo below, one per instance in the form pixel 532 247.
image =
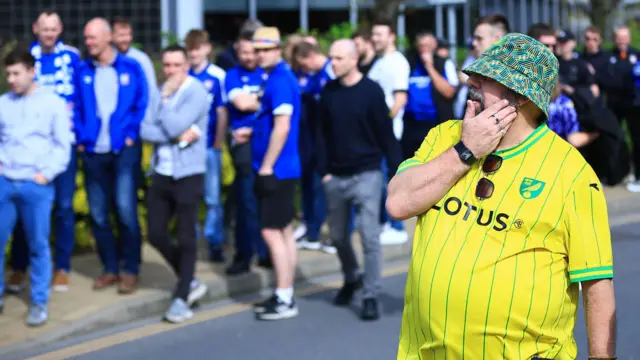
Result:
pixel 281 125
pixel 222 116
pixel 246 102
pixel 399 101
pixel 442 85
pixel 415 190
pixel 600 313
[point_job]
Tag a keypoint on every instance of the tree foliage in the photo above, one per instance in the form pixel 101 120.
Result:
pixel 386 8
pixel 602 12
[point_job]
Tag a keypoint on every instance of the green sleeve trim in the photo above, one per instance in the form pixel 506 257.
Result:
pixel 407 164
pixel 594 277
pixel 591 270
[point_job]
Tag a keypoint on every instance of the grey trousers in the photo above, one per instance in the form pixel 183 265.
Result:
pixel 361 191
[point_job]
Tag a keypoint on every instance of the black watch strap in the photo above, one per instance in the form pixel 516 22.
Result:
pixel 465 154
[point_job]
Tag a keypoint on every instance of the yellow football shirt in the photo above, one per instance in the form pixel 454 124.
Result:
pixel 498 278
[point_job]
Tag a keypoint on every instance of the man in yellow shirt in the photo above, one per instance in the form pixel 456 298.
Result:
pixel 510 219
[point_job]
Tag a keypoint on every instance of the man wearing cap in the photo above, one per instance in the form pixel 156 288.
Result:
pixel 276 159
pixel 511 219
pixel 573 71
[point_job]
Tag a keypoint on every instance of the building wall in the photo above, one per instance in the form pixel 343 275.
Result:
pixel 18 15
pixel 269 5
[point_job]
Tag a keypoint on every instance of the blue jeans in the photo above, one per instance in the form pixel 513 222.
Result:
pixel 32 203
pixel 214 221
pixel 384 217
pixel 65 188
pixel 111 178
pixel 248 236
pixel 314 205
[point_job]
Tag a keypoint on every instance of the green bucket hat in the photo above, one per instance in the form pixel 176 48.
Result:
pixel 523 65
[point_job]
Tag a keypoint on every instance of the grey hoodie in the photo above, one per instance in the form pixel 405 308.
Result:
pixel 189 106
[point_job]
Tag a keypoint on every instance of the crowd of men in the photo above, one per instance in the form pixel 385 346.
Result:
pixel 338 123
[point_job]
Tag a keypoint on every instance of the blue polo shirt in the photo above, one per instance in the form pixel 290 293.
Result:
pixel 281 97
pixel 212 83
pixel 318 80
pixel 241 80
pixel 304 80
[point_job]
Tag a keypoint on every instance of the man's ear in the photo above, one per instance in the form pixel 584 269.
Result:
pixel 209 48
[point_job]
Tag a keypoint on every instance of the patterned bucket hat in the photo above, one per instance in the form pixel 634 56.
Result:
pixel 523 65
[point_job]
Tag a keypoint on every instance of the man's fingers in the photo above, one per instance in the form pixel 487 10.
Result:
pixel 497 106
pixel 471 110
pixel 506 115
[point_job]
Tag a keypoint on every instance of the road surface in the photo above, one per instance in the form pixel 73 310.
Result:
pixel 229 331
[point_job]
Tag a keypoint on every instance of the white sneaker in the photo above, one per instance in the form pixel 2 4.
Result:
pixel 311 245
pixel 634 187
pixel 300 231
pixel 197 291
pixel 328 248
pixel 630 178
pixel 391 236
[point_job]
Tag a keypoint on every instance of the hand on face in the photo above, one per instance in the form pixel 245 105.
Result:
pixel 482 133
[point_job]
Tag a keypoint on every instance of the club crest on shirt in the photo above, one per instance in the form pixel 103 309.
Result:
pixel 531 188
pixel 124 79
pixel 208 84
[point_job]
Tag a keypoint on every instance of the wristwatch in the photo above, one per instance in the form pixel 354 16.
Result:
pixel 465 154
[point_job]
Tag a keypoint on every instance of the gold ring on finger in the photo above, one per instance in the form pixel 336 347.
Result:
pixel 501 132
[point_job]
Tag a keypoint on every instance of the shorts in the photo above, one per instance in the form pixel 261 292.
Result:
pixel 275 201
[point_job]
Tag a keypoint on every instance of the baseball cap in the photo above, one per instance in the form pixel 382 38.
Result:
pixel 565 35
pixel 469 42
pixel 266 38
pixel 523 65
pixel 443 43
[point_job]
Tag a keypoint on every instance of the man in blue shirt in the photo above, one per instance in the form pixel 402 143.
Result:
pixel 433 82
pixel 35 143
pixel 276 159
pixel 312 61
pixel 112 101
pixel 199 48
pixel 54 69
pixel 123 39
pixel 244 85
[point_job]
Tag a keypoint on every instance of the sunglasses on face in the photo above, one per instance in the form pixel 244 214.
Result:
pixel 485 187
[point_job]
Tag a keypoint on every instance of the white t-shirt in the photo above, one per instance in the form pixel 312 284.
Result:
pixel 391 72
pixel 461 99
pixel 451 74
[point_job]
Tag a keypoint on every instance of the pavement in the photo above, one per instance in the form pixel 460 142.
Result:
pixel 82 311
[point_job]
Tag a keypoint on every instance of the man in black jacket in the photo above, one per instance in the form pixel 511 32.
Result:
pixel 625 102
pixel 354 133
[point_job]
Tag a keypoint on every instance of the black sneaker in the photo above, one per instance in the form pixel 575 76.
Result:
pixel 278 310
pixel 265 263
pixel 239 266
pixel 262 306
pixel 345 295
pixel 370 309
pixel 216 255
pixel 1 304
